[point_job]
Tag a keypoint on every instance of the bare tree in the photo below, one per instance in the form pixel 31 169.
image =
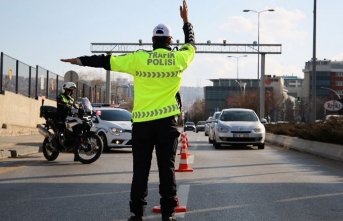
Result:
pixel 247 100
pixel 92 78
pixel 274 105
pixel 197 111
pixel 302 109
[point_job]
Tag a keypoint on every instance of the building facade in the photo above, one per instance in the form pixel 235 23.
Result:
pixel 216 96
pixel 329 83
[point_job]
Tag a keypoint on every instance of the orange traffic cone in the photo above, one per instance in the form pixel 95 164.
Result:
pixel 188 145
pixel 182 140
pixel 183 166
pixel 178 208
pixel 184 150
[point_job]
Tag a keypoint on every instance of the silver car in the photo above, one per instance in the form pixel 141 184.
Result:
pixel 239 126
pixel 212 126
pixel 200 126
pixel 207 126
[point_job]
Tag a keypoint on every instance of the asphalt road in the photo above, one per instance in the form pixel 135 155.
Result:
pixel 234 183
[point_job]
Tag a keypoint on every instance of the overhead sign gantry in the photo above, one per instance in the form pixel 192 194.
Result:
pixel 204 48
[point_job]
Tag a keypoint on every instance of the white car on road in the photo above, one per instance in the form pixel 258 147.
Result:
pixel 212 125
pixel 239 126
pixel 114 127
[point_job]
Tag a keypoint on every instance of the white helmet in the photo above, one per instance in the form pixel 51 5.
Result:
pixel 68 86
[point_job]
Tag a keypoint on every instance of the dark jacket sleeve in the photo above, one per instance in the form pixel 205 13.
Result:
pixel 189 33
pixel 96 61
pixel 61 105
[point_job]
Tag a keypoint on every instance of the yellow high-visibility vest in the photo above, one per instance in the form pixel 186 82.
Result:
pixel 157 78
pixel 65 99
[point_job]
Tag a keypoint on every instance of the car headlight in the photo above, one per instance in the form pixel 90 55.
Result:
pixel 115 130
pixel 258 130
pixel 222 129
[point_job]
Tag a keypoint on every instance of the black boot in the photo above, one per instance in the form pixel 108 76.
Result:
pixel 136 218
pixel 76 158
pixel 168 218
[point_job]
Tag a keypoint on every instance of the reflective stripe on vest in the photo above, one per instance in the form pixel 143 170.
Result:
pixel 157 74
pixel 65 99
pixel 154 113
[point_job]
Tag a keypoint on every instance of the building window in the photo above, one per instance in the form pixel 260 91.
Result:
pixel 323 82
pixel 340 92
pixel 339 74
pixel 339 83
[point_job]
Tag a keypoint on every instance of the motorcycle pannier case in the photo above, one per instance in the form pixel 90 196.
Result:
pixel 48 111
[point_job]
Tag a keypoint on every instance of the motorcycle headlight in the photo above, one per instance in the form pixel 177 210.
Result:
pixel 115 130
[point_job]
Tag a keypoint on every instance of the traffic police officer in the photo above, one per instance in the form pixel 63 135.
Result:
pixel 157 79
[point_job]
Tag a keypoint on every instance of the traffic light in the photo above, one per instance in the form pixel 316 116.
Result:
pixel 299 100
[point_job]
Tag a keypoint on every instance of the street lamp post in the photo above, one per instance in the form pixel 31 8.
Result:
pixel 237 60
pixel 339 97
pixel 260 104
pixel 258 36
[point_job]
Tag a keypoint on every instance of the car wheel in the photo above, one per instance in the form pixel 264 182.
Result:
pixel 260 146
pixel 216 145
pixel 104 141
pixel 209 140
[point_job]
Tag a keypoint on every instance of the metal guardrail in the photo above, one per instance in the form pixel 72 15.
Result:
pixel 34 82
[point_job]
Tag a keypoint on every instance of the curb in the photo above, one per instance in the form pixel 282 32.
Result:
pixel 13 150
pixel 327 150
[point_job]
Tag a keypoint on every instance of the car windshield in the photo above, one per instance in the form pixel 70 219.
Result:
pixel 115 115
pixel 190 123
pixel 238 116
pixel 201 123
pixel 216 116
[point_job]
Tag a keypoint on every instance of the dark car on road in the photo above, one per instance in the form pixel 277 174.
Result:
pixel 189 126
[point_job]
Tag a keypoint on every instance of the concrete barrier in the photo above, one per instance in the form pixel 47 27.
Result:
pixel 327 150
pixel 19 115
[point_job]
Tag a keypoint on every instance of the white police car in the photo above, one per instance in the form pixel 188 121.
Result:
pixel 113 125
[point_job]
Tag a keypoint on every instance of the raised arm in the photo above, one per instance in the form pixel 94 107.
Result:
pixel 187 27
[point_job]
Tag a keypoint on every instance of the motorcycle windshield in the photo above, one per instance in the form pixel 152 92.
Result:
pixel 85 104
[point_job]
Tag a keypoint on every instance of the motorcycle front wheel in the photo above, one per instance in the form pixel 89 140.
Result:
pixel 49 152
pixel 89 151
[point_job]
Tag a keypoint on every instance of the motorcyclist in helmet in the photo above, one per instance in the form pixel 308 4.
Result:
pixel 65 102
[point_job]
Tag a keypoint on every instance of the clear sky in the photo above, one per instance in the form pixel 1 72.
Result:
pixel 41 32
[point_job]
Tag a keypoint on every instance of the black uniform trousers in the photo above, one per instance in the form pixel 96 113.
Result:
pixel 161 134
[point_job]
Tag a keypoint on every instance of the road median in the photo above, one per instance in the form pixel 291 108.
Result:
pixel 327 150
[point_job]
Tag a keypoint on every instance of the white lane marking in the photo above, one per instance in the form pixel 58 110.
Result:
pixel 194 147
pixel 190 159
pixel 182 194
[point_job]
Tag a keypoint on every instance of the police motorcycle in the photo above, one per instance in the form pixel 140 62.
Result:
pixel 76 137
